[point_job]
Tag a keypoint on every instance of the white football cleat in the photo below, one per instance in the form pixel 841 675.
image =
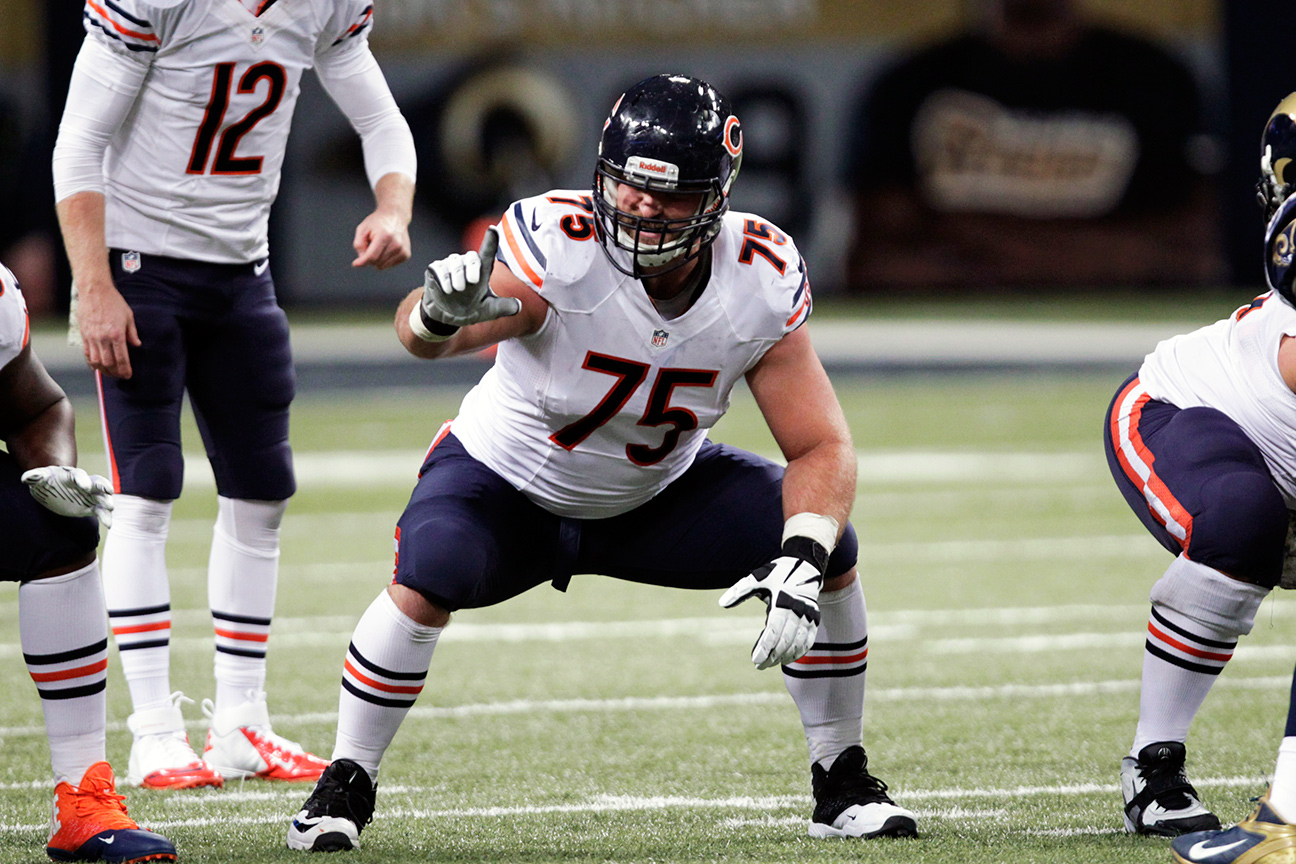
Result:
pixel 240 744
pixel 160 756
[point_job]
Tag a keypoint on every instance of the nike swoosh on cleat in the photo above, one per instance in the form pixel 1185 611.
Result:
pixel 108 841
pixel 1204 847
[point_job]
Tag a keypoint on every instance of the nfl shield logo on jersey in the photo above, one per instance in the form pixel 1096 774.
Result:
pixel 258 36
pixel 659 338
pixel 131 262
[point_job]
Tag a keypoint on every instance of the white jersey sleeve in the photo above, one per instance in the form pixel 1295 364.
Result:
pixel 15 329
pixel 1232 366
pixel 609 402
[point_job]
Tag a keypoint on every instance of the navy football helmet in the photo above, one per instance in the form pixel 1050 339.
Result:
pixel 668 133
pixel 1278 157
pixel 1280 249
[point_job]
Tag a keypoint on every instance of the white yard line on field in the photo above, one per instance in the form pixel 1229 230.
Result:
pixel 357 468
pixel 712 701
pixel 629 803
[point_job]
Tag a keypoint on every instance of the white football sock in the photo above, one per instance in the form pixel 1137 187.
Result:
pixel 1197 616
pixel 64 634
pixel 139 597
pixel 1282 794
pixel 386 666
pixel 242 575
pixel 827 684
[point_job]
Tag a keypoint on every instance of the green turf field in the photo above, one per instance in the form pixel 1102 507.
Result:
pixel 1007 586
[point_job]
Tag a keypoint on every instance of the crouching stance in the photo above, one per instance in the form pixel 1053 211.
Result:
pixel 1200 442
pixel 624 318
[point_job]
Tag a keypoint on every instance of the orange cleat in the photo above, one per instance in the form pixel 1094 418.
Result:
pixel 89 823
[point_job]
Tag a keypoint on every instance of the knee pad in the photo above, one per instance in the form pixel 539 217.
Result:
pixel 254 524
pixel 1223 605
pixel 141 516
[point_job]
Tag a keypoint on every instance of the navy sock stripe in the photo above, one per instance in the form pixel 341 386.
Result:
pixel 65 656
pixel 152 643
pixel 1212 643
pixel 142 610
pixel 242 652
pixel 386 673
pixel 1180 662
pixel 376 700
pixel 241 619
pixel 74 692
pixel 794 672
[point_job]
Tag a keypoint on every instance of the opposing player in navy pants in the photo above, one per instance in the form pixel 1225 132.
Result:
pixel 1202 443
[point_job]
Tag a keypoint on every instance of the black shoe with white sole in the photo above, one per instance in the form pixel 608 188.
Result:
pixel 336 812
pixel 851 802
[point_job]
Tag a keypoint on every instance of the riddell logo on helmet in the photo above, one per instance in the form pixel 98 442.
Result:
pixel 653 169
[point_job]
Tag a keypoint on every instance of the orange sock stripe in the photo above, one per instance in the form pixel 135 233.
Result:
pixel 79 672
pixel 378 685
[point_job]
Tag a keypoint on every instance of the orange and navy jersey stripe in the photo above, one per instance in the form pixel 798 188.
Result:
pixel 377 685
pixel 1138 463
pixel 519 250
pixel 831 660
pixel 113 22
pixel 366 19
pixel 802 304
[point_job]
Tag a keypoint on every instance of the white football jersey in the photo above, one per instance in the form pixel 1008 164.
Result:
pixel 609 402
pixel 1232 366
pixel 15 329
pixel 194 168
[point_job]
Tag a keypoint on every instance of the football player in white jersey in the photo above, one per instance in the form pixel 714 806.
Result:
pixel 1202 443
pixel 49 534
pixel 624 317
pixel 168 158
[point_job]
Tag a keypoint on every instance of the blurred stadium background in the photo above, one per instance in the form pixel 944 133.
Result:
pixel 1007 580
pixel 506 97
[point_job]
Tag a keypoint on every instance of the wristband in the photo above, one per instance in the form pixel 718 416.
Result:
pixel 810 536
pixel 429 329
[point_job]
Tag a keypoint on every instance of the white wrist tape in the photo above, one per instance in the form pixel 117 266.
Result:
pixel 820 529
pixel 420 329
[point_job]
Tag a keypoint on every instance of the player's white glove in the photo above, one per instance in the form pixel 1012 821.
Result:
pixel 789 585
pixel 71 491
pixel 456 293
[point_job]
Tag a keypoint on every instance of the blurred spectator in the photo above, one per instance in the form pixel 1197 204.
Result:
pixel 1040 149
pixel 27 215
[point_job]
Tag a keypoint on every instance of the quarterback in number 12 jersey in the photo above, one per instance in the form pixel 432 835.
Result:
pixel 195 166
pixel 609 402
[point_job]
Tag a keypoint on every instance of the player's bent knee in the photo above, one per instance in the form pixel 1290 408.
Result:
pixel 1244 530
pixel 417 607
pixel 836 583
pixel 1223 605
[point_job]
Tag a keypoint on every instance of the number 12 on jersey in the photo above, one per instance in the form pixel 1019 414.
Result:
pixel 214 117
pixel 629 375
